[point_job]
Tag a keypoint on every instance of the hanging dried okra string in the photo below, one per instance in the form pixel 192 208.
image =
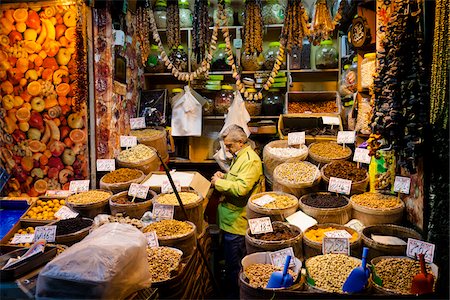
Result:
pixel 200 32
pixel 322 26
pixel 173 24
pixel 253 27
pixel 295 26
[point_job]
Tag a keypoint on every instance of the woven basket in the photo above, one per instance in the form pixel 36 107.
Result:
pixel 158 141
pixel 134 210
pixel 91 210
pixel 146 165
pixel 317 159
pixel 358 187
pixel 120 186
pixel 275 214
pixel 296 189
pixel 338 215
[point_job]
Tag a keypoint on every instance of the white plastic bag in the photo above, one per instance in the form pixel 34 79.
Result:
pixel 110 263
pixel 186 115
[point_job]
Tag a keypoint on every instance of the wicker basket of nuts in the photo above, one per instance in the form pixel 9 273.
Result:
pixel 281 206
pixel 139 157
pixel 326 152
pixel 346 170
pixel 91 203
pixel 121 179
pixel 296 178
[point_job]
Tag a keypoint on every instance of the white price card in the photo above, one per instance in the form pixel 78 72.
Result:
pixel 152 239
pixel 65 213
pixel 166 187
pixel 127 141
pixel 22 238
pixel 338 234
pixel 261 201
pixel 330 120
pixel 346 137
pixel 162 211
pixel 336 245
pixel 138 190
pixel 260 225
pixel 237 43
pixel 296 138
pixel 416 247
pixel 137 123
pixel 278 258
pixel 106 165
pixel 78 186
pixel 340 186
pixel 362 156
pixel 47 233
pixel 402 184
pixel 58 193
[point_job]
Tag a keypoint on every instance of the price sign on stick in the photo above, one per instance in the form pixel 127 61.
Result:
pixel 58 193
pixel 416 247
pixel 346 137
pixel 138 191
pixel 335 245
pixel 137 123
pixel 127 141
pixel 22 238
pixel 78 186
pixel 65 213
pixel 163 212
pixel 278 258
pixel 327 120
pixel 339 185
pixel 261 201
pixel 152 239
pixel 338 234
pixel 47 233
pixel 362 156
pixel 296 138
pixel 106 165
pixel 402 184
pixel 260 225
pixel 166 187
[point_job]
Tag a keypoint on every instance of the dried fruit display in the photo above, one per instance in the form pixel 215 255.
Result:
pixel 296 25
pixel 253 27
pixel 200 32
pixel 43 96
pixel 322 26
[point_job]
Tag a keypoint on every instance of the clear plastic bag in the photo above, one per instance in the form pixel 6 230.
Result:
pixel 110 263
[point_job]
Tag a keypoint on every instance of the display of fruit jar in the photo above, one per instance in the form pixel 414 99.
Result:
pixel 208 107
pixel 367 70
pixel 185 14
pixel 270 56
pixel 155 63
pixel 326 56
pixel 228 11
pixel 347 85
pixel 179 58
pixel 220 59
pixel 251 62
pixel 273 13
pixel 253 106
pixel 160 14
pixel 223 99
pixel 272 103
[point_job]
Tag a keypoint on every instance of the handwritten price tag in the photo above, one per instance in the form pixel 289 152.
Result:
pixel 346 137
pixel 296 138
pixel 415 247
pixel 47 233
pixel 261 201
pixel 163 212
pixel 22 238
pixel 402 184
pixel 65 213
pixel 137 123
pixel 127 141
pixel 340 186
pixel 138 191
pixel 106 165
pixel 335 245
pixel 338 234
pixel 330 120
pixel 278 258
pixel 260 225
pixel 152 239
pixel 362 155
pixel 166 187
pixel 78 186
pixel 58 193
pixel 237 43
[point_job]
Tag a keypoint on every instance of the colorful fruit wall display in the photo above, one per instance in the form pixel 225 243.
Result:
pixel 43 135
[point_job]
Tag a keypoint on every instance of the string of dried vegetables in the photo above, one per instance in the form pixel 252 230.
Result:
pixel 253 27
pixel 143 30
pixel 344 16
pixel 322 26
pixel 80 92
pixel 200 29
pixel 173 24
pixel 295 26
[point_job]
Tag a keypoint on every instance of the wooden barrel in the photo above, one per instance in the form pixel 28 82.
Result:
pixel 75 237
pixel 275 214
pixel 194 211
pixel 252 244
pixel 372 216
pixel 93 209
pixel 338 215
pixel 297 189
pixel 358 187
pixel 120 186
pixel 155 140
pixel 146 165
pixel 134 210
pixel 312 248
pixel 378 249
pixel 322 160
pixel 186 243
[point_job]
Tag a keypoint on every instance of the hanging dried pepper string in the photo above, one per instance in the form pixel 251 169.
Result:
pixel 143 31
pixel 295 26
pixel 200 29
pixel 173 24
pixel 81 82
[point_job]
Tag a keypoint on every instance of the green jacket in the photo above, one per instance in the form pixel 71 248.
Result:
pixel 238 185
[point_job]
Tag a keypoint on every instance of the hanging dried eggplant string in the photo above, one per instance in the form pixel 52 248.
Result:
pixel 345 14
pixel 253 27
pixel 81 82
pixel 143 31
pixel 173 24
pixel 295 26
pixel 322 26
pixel 200 29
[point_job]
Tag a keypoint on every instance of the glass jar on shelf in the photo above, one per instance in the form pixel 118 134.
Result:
pixel 220 59
pixel 253 106
pixel 160 14
pixel 273 103
pixel 273 13
pixel 295 58
pixel 185 14
pixel 326 56
pixel 228 10
pixel 179 58
pixel 367 70
pixel 270 56
pixel 348 82
pixel 155 63
pixel 208 107
pixel 305 59
pixel 251 62
pixel 223 99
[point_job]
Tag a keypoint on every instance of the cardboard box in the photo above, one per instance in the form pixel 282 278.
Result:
pixel 189 179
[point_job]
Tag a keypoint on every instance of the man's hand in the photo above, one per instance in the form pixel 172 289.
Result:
pixel 216 176
pixel 219 174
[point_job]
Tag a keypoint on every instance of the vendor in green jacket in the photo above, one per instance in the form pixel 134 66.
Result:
pixel 236 186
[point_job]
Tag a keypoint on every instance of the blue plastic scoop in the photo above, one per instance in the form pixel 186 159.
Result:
pixel 280 279
pixel 357 280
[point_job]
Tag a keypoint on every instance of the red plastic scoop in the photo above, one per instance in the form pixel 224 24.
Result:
pixel 423 282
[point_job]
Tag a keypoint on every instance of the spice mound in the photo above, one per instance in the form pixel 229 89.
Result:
pixel 377 200
pixel 68 226
pixel 323 200
pixel 119 218
pixel 162 262
pixel 346 170
pixel 89 197
pixel 171 199
pixel 121 175
pixel 330 271
pixel 317 234
pixel 137 153
pixel 146 133
pixel 329 150
pixel 297 173
pixel 259 274
pixel 281 232
pixel 280 202
pixel 397 273
pixel 287 152
pixel 169 228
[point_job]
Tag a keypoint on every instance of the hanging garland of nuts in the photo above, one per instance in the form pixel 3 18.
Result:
pixel 295 26
pixel 173 24
pixel 322 26
pixel 142 17
pixel 200 29
pixel 253 28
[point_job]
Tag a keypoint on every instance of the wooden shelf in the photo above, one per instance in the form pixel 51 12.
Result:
pixel 252 117
pixel 276 26
pixel 316 71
